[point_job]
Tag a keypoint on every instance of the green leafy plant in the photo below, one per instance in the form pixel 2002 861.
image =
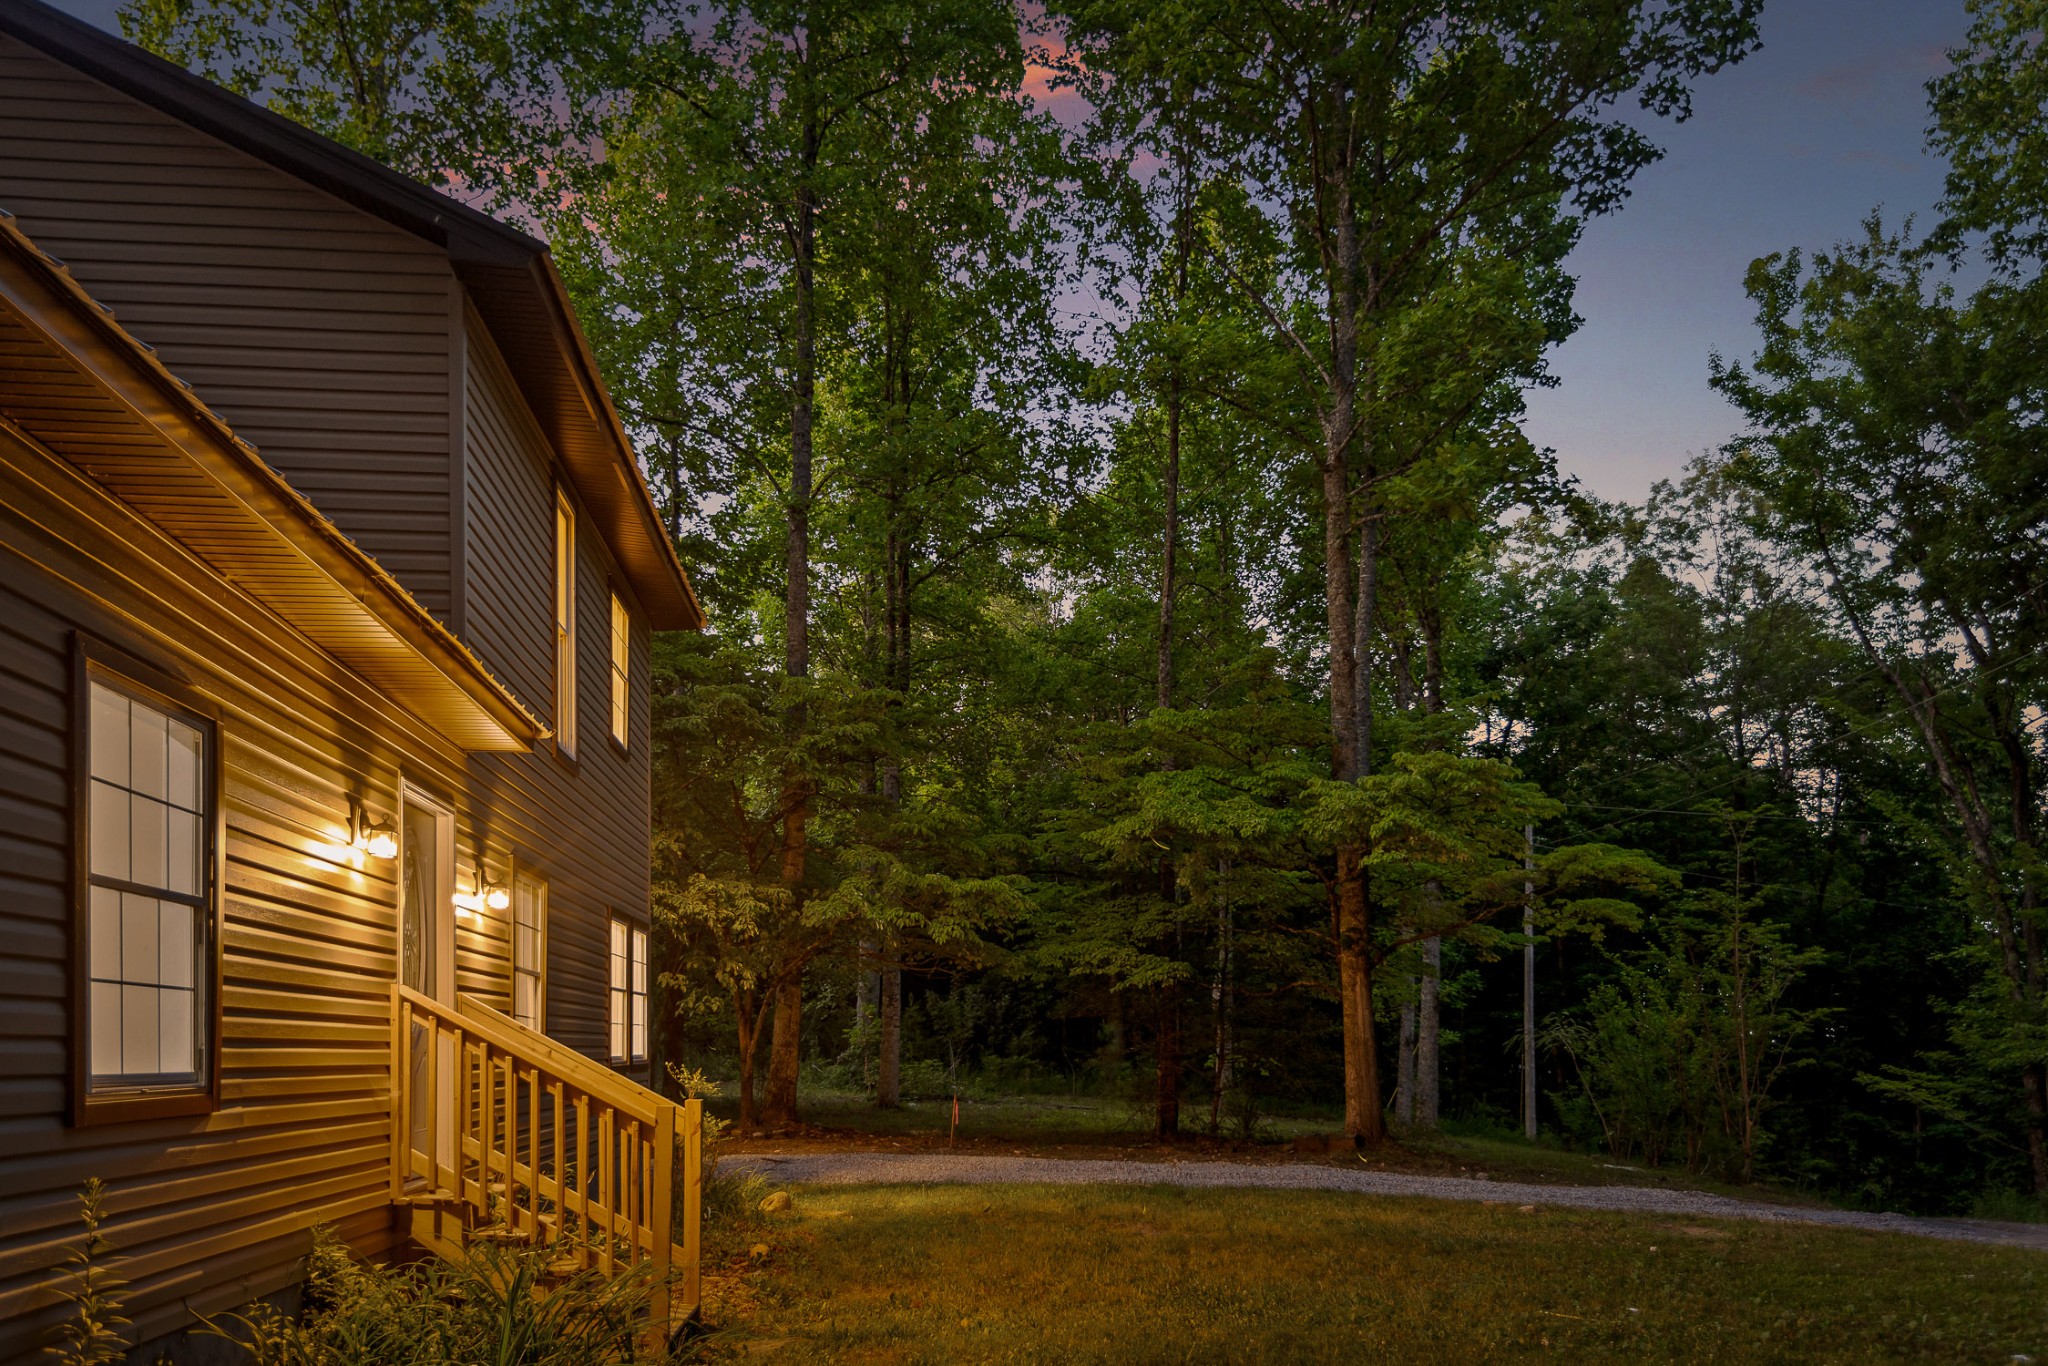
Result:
pixel 494 1307
pixel 93 1334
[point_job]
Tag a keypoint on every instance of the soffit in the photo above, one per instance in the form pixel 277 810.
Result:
pixel 78 385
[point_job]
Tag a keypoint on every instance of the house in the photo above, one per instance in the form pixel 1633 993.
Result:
pixel 327 577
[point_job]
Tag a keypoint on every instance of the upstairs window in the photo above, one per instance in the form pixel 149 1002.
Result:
pixel 147 829
pixel 529 940
pixel 565 625
pixel 629 992
pixel 622 635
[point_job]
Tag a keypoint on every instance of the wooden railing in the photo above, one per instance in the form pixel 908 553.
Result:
pixel 538 1143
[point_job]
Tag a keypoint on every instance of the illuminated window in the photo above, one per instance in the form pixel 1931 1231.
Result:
pixel 147 828
pixel 621 664
pixel 565 625
pixel 529 930
pixel 628 993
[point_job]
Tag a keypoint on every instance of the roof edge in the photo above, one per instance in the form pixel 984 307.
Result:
pixel 468 235
pixel 403 613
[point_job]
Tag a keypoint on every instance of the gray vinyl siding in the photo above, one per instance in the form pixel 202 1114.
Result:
pixel 209 1210
pixel 582 826
pixel 320 333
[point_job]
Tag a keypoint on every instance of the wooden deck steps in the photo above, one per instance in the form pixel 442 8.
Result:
pixel 499 1134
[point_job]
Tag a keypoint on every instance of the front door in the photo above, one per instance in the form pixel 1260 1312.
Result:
pixel 426 953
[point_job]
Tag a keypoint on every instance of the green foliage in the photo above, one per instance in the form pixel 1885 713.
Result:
pixel 93 1334
pixel 1119 645
pixel 493 1306
pixel 469 95
pixel 1680 1054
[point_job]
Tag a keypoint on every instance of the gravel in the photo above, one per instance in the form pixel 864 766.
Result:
pixel 903 1169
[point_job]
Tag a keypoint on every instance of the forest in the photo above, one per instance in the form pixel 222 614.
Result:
pixel 1148 657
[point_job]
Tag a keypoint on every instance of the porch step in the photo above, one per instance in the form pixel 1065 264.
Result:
pixel 438 1199
pixel 503 1235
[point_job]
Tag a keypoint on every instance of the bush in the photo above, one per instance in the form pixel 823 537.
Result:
pixel 492 1306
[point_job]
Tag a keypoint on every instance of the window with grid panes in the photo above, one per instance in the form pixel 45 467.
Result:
pixel 529 929
pixel 148 822
pixel 628 992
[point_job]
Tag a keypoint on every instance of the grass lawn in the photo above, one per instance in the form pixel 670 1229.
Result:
pixel 1034 1274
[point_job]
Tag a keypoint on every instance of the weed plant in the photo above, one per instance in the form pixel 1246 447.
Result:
pixel 93 1333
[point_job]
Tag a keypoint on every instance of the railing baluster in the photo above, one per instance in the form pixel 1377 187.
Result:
pixel 561 1172
pixel 605 1156
pixel 463 1089
pixel 584 1249
pixel 629 1188
pixel 693 1197
pixel 533 1225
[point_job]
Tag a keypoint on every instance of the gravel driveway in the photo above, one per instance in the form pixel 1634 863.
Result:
pixel 905 1169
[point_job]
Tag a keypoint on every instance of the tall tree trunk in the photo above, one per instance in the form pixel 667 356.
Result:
pixel 783 1056
pixel 889 1077
pixel 1528 982
pixel 1219 1004
pixel 748 1014
pixel 1404 1063
pixel 1427 1035
pixel 1429 997
pixel 1166 1090
pixel 1163 679
pixel 784 1053
pixel 1351 908
pixel 1115 1048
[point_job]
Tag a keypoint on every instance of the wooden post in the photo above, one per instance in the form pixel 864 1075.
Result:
pixel 661 1214
pixel 401 1117
pixel 693 1198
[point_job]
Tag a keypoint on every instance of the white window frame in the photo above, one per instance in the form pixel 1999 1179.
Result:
pixel 621 670
pixel 565 624
pixel 530 959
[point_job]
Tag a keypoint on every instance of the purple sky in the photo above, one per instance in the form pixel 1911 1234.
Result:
pixel 1792 148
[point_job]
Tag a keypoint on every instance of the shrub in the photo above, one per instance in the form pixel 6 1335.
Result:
pixel 492 1307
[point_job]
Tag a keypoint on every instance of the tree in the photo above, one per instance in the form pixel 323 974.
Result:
pixel 1393 146
pixel 475 96
pixel 1894 450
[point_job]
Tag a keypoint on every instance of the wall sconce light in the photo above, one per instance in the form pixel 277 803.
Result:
pixel 485 893
pixel 376 838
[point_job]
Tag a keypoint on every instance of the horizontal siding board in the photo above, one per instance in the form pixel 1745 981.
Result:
pixel 583 827
pixel 284 307
pixel 309 939
pixel 323 335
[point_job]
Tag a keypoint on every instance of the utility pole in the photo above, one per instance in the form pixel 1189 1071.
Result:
pixel 1529 981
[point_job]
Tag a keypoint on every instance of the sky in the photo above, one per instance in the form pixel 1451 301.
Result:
pixel 1792 148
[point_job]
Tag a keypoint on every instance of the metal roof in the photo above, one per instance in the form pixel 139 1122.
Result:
pixel 85 390
pixel 509 274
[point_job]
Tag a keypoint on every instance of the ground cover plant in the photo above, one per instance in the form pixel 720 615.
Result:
pixel 1028 1274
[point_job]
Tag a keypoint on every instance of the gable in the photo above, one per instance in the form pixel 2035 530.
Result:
pixel 320 333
